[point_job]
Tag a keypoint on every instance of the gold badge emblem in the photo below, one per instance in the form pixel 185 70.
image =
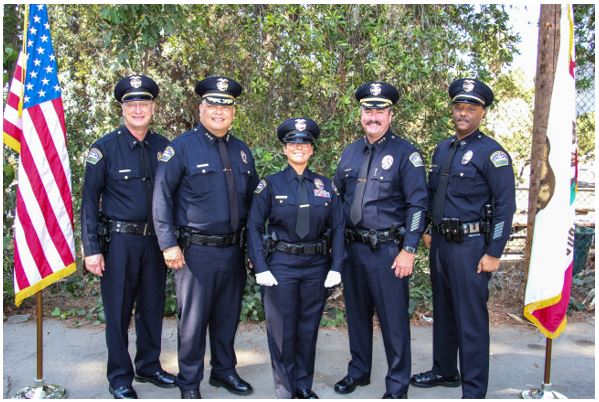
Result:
pixel 135 81
pixel 222 84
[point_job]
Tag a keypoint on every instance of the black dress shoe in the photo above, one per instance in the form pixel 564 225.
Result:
pixel 305 394
pixel 348 384
pixel 233 383
pixel 395 396
pixel 123 392
pixel 160 378
pixel 191 394
pixel 429 379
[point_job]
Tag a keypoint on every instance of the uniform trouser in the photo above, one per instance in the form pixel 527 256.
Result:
pixel 461 319
pixel 134 272
pixel 209 291
pixel 293 311
pixel 370 284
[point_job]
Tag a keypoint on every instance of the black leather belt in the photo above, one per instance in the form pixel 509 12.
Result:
pixel 467 228
pixel 214 240
pixel 138 228
pixel 367 236
pixel 301 248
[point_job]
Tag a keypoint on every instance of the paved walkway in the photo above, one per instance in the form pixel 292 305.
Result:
pixel 75 358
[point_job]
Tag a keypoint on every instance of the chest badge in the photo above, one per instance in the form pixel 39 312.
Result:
pixel 244 157
pixel 387 162
pixel 467 157
pixel 319 184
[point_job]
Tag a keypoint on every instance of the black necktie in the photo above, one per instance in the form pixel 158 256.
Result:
pixel 302 222
pixel 233 206
pixel 355 212
pixel 441 193
pixel 146 167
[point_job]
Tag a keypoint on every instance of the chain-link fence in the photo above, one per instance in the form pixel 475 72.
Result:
pixel 511 123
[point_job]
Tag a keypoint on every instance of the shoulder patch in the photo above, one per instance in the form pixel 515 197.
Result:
pixel 94 156
pixel 499 158
pixel 416 159
pixel 167 154
pixel 261 186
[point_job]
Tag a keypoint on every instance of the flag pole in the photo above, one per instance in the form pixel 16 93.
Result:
pixel 39 389
pixel 547 53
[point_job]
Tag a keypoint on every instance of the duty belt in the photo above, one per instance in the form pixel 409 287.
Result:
pixel 214 240
pixel 374 237
pixel 454 229
pixel 318 247
pixel 138 228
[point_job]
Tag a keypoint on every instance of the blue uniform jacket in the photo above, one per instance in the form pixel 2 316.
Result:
pixel 114 182
pixel 191 188
pixel 395 194
pixel 275 200
pixel 481 172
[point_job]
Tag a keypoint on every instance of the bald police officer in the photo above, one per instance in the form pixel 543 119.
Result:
pixel 472 205
pixel 304 242
pixel 204 187
pixel 381 180
pixel 118 237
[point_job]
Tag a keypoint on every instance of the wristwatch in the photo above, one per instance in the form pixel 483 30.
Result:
pixel 409 249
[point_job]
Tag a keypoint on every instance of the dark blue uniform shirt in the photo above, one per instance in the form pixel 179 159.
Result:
pixel 276 200
pixel 191 187
pixel 481 172
pixel 395 194
pixel 114 182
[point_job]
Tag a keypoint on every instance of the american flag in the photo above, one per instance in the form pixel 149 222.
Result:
pixel 34 126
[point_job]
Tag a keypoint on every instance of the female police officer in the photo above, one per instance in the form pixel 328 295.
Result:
pixel 291 256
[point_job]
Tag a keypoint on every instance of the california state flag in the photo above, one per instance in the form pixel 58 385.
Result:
pixel 552 253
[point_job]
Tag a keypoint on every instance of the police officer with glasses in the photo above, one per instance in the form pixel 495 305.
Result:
pixel 119 242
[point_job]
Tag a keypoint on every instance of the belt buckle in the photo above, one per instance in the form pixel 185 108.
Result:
pixel 145 233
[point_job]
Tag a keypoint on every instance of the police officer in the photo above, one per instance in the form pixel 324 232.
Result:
pixel 203 192
pixel 305 222
pixel 382 183
pixel 119 241
pixel 472 204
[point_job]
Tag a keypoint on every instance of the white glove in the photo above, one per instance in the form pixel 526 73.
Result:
pixel 333 278
pixel 266 278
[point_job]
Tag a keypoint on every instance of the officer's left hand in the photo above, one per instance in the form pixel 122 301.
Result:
pixel 403 264
pixel 488 264
pixel 333 278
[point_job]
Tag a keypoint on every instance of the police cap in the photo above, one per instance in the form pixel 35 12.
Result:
pixel 299 130
pixel 219 90
pixel 136 87
pixel 470 90
pixel 377 95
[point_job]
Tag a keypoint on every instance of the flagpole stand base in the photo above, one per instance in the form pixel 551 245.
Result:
pixel 39 390
pixel 545 392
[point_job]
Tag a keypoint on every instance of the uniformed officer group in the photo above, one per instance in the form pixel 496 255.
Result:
pixel 196 205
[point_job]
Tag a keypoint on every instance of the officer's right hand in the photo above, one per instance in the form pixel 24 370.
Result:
pixel 266 278
pixel 426 240
pixel 173 256
pixel 95 264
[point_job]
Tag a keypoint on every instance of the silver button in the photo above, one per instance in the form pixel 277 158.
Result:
pixel 461 174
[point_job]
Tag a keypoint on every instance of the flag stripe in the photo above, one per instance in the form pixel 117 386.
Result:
pixel 32 241
pixel 43 193
pixel 20 278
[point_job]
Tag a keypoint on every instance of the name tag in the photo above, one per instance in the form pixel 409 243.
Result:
pixel 321 193
pixel 124 170
pixel 280 197
pixel 203 165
